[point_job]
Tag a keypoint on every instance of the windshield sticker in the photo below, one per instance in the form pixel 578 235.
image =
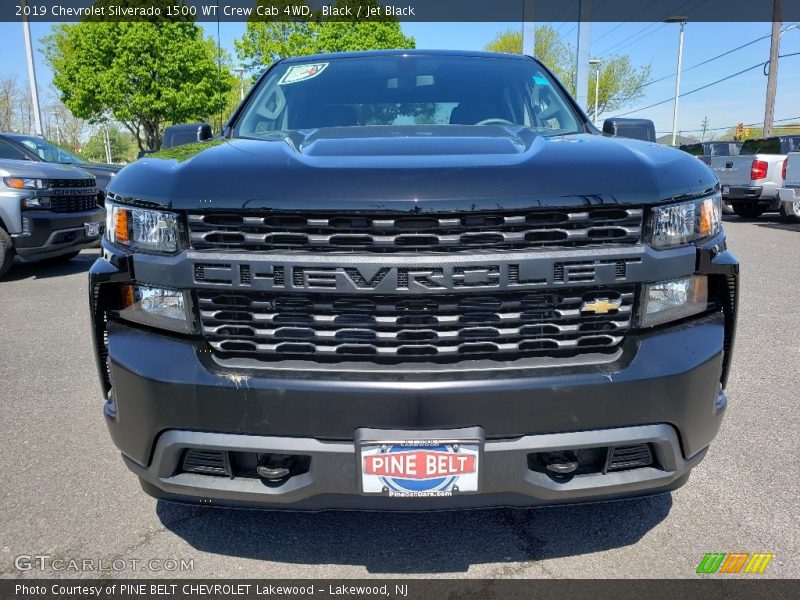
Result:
pixel 302 73
pixel 539 80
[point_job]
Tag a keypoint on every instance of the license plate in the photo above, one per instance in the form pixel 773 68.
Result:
pixel 92 229
pixel 420 468
pixel 726 189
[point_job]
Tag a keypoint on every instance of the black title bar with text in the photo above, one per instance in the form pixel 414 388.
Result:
pixel 540 11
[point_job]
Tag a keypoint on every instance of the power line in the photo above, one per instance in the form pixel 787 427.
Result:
pixel 563 8
pixel 705 62
pixel 624 43
pixel 613 29
pixel 734 126
pixel 708 85
pixel 629 41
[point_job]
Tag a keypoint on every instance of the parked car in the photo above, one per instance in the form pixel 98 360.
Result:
pixel 705 151
pixel 47 211
pixel 751 180
pixel 36 148
pixel 790 192
pixel 386 287
pixel 635 129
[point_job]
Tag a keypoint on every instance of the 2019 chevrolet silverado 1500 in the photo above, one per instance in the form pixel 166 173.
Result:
pixel 39 149
pixel 413 280
pixel 47 212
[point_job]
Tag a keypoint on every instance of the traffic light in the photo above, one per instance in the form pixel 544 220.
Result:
pixel 739 130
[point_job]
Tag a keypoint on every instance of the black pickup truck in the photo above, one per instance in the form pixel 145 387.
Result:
pixel 413 280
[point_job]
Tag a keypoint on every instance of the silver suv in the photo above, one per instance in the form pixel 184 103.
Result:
pixel 47 212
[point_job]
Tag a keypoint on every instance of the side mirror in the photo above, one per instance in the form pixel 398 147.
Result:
pixel 188 133
pixel 204 132
pixel 637 129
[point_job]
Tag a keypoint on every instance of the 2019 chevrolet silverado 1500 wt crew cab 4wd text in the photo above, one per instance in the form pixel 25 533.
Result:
pixel 413 280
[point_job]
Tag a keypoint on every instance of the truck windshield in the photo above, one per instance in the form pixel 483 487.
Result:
pixel 405 91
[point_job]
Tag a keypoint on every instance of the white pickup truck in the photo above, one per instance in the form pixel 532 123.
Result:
pixel 790 192
pixel 750 181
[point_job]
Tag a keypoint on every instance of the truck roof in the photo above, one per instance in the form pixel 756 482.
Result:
pixel 402 52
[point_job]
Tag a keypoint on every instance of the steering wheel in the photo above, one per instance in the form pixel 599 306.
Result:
pixel 495 121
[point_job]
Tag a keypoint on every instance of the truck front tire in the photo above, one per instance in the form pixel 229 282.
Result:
pixel 748 212
pixel 791 211
pixel 6 252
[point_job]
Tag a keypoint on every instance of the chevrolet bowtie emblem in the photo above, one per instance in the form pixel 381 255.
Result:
pixel 601 306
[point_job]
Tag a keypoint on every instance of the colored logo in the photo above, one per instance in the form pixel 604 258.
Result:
pixel 420 464
pixel 601 306
pixel 420 469
pixel 734 562
pixel 404 469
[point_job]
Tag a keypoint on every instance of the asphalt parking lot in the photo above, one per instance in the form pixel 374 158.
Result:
pixel 67 494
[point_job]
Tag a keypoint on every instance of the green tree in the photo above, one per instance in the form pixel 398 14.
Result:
pixel 143 75
pixel 549 49
pixel 621 83
pixel 263 43
pixel 122 145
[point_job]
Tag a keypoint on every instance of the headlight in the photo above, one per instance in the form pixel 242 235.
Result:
pixel 158 307
pixel 142 229
pixel 674 299
pixel 684 223
pixel 22 183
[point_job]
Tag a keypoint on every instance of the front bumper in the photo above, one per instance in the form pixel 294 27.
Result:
pixel 50 234
pixel 331 481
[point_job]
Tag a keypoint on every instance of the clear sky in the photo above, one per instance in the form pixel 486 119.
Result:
pixel 738 99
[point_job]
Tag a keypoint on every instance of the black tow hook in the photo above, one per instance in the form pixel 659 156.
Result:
pixel 562 463
pixel 274 466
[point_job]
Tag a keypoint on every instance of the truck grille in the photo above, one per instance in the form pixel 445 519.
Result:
pixel 450 232
pixel 67 204
pixel 420 328
pixel 72 183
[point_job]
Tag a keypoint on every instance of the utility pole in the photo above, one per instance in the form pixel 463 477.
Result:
pixel 26 29
pixel 682 21
pixel 772 77
pixel 595 62
pixel 584 43
pixel 58 128
pixel 107 142
pixel 705 128
pixel 528 29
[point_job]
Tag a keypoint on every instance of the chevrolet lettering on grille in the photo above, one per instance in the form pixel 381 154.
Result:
pixel 414 279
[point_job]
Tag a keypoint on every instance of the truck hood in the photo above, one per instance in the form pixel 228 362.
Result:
pixel 40 170
pixel 101 168
pixel 412 168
